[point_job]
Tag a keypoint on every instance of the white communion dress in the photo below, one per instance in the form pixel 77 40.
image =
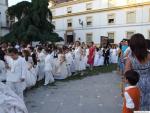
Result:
pixel 60 71
pixel 79 59
pixel 97 59
pixel 2 71
pixel 10 102
pixel 31 76
pixel 114 56
pixel 41 57
pixel 48 70
pixel 69 61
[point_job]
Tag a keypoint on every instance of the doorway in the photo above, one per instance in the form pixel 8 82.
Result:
pixel 69 36
pixel 69 39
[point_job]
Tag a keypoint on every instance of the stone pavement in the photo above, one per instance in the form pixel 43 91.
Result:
pixel 93 94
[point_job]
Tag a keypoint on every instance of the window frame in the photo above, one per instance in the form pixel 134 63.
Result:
pixel 112 14
pixel 128 32
pixel 113 39
pixel 89 21
pixel 69 21
pixel 91 37
pixel 69 10
pixel 89 8
pixel 127 19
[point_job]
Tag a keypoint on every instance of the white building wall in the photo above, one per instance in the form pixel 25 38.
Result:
pixel 100 25
pixel 3 24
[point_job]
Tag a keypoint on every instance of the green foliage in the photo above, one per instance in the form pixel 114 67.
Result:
pixel 34 22
pixel 19 9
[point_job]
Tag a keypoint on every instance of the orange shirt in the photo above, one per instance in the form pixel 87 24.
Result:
pixel 134 93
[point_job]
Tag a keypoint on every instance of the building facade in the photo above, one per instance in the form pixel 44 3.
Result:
pixel 3 17
pixel 89 20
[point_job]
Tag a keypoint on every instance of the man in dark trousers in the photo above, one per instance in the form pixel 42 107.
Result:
pixel 106 54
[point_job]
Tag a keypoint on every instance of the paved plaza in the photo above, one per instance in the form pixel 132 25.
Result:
pixel 93 94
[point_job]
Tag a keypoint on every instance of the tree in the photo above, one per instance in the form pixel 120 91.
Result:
pixel 34 22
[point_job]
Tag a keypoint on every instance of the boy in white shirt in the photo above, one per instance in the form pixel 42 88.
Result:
pixel 16 78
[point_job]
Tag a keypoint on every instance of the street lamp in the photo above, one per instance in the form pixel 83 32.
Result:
pixel 81 22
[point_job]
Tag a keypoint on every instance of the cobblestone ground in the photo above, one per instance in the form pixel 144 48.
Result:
pixel 93 94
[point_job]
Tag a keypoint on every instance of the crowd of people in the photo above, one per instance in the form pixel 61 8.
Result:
pixel 21 66
pixel 51 62
pixel 134 65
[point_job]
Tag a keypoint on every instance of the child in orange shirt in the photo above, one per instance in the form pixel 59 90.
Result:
pixel 131 100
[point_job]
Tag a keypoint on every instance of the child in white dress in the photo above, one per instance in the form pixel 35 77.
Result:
pixel 60 70
pixel 114 56
pixel 101 61
pixel 2 71
pixel 97 57
pixel 2 66
pixel 41 60
pixel 79 58
pixel 82 61
pixel 48 68
pixel 31 75
pixel 10 102
pixel 69 60
pixel 18 71
pixel 73 70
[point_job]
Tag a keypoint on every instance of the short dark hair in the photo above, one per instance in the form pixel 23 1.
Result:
pixel 13 50
pixel 132 77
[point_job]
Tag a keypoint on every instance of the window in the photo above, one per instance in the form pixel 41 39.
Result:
pixel 111 18
pixel 131 17
pixel 89 37
pixel 69 22
pixel 111 3
pixel 89 21
pixel 88 6
pixel 111 37
pixel 129 34
pixel 69 10
pixel 131 1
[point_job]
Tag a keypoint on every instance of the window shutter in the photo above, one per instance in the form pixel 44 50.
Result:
pixel 88 6
pixel 131 17
pixel 88 38
pixel 129 34
pixel 89 21
pixel 69 10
